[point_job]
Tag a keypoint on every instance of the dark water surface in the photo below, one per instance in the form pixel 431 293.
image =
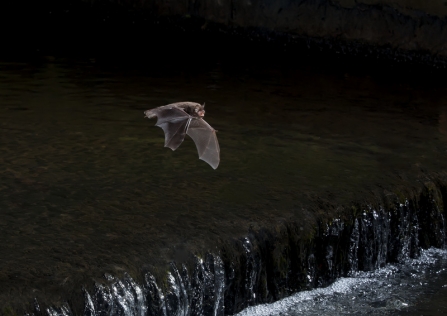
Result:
pixel 86 187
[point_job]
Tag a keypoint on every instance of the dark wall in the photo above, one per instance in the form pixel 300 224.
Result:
pixel 413 29
pixel 408 25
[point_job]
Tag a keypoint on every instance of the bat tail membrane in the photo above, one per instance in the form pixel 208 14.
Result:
pixel 174 123
pixel 205 138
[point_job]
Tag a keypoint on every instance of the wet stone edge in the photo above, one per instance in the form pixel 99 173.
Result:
pixel 269 264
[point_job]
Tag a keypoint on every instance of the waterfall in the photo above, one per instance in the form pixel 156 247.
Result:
pixel 266 266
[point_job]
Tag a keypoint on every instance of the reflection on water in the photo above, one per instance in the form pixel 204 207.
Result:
pixel 87 187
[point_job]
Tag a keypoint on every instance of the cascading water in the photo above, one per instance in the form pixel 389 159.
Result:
pixel 198 294
pixel 217 285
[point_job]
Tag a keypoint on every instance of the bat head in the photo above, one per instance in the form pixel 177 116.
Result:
pixel 200 110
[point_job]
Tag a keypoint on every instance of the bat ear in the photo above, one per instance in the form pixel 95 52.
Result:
pixel 203 104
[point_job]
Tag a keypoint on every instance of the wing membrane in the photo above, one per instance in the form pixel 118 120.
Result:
pixel 205 138
pixel 174 123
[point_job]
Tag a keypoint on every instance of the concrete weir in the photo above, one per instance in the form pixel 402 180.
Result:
pixel 272 263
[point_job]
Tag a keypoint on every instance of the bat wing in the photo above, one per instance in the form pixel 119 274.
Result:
pixel 174 123
pixel 205 138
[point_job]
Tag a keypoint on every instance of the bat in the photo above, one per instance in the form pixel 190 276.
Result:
pixel 181 118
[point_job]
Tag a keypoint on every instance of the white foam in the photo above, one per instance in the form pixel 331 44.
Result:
pixel 382 291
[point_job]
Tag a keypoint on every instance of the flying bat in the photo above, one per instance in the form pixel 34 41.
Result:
pixel 181 118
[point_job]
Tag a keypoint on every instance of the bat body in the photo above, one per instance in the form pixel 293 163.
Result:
pixel 179 119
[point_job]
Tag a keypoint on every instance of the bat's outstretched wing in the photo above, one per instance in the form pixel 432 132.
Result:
pixel 174 123
pixel 206 141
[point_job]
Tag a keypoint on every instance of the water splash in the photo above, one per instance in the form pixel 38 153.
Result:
pixel 61 311
pixel 250 271
pixel 121 297
pixel 199 293
pixel 384 291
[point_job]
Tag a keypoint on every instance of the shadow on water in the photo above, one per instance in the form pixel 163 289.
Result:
pixel 87 187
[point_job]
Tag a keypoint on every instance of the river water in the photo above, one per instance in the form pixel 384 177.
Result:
pixel 414 287
pixel 87 187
